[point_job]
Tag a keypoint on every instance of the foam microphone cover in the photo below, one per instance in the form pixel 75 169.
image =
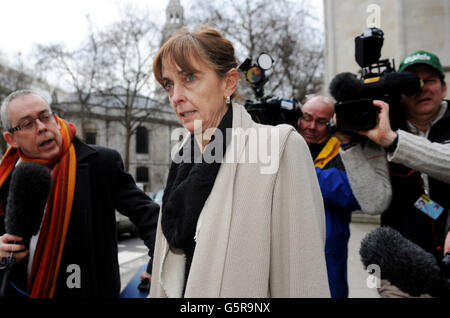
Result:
pixel 402 262
pixel 345 87
pixel 28 193
pixel 405 82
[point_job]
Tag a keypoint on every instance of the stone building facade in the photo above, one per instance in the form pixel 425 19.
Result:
pixel 408 26
pixel 174 22
pixel 150 146
pixel 174 19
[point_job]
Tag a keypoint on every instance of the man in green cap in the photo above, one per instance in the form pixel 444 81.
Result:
pixel 424 107
pixel 418 160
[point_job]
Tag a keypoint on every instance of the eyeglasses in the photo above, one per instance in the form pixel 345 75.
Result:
pixel 320 122
pixel 29 123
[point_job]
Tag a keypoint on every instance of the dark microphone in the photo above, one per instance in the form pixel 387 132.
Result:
pixel 28 193
pixel 403 263
pixel 407 83
pixel 347 87
pixel 27 197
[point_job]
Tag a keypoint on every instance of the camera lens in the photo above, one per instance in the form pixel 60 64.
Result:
pixel 254 75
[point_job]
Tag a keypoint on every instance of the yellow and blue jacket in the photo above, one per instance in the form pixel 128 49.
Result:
pixel 339 203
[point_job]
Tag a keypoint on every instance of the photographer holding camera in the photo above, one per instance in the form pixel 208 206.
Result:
pixel 337 195
pixel 340 197
pixel 418 156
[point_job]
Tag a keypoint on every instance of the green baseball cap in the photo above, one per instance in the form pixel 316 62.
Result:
pixel 422 57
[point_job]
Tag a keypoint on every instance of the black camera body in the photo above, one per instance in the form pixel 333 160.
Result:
pixel 379 81
pixel 267 110
pixel 359 114
pixel 274 111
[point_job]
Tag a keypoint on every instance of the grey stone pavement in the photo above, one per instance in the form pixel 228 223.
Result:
pixel 357 276
pixel 133 254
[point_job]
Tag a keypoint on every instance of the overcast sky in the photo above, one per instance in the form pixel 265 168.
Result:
pixel 27 22
pixel 24 23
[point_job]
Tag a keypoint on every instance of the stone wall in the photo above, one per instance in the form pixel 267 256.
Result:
pixel 408 26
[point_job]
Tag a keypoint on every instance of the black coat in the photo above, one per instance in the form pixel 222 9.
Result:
pixel 102 186
pixel 406 189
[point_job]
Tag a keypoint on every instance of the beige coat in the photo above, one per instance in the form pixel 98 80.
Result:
pixel 259 234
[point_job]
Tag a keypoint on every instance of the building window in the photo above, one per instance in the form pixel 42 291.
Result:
pixel 141 174
pixel 90 137
pixel 141 140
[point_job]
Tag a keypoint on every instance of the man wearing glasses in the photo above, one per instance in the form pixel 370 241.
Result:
pixel 418 155
pixel 78 229
pixel 337 194
pixel 37 132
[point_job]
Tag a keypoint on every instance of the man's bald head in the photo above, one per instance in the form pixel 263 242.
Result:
pixel 317 112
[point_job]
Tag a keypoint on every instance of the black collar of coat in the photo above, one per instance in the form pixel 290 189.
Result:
pixel 83 150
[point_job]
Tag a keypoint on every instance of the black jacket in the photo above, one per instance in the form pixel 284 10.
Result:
pixel 102 186
pixel 407 187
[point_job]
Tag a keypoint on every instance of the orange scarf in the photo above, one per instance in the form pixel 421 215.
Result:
pixel 52 236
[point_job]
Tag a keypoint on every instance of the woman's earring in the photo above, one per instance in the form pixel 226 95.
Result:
pixel 228 100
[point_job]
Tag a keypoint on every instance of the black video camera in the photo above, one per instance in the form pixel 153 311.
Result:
pixel 354 97
pixel 267 110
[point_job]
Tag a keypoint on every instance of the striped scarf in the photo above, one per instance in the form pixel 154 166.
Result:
pixel 50 245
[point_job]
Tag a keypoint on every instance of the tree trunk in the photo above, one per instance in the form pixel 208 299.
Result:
pixel 127 150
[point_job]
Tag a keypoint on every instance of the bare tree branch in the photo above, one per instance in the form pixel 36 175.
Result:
pixel 280 28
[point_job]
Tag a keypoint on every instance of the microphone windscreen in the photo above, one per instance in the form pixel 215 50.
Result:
pixel 402 262
pixel 345 87
pixel 403 82
pixel 28 193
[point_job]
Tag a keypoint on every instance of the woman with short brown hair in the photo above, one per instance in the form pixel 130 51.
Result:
pixel 233 226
